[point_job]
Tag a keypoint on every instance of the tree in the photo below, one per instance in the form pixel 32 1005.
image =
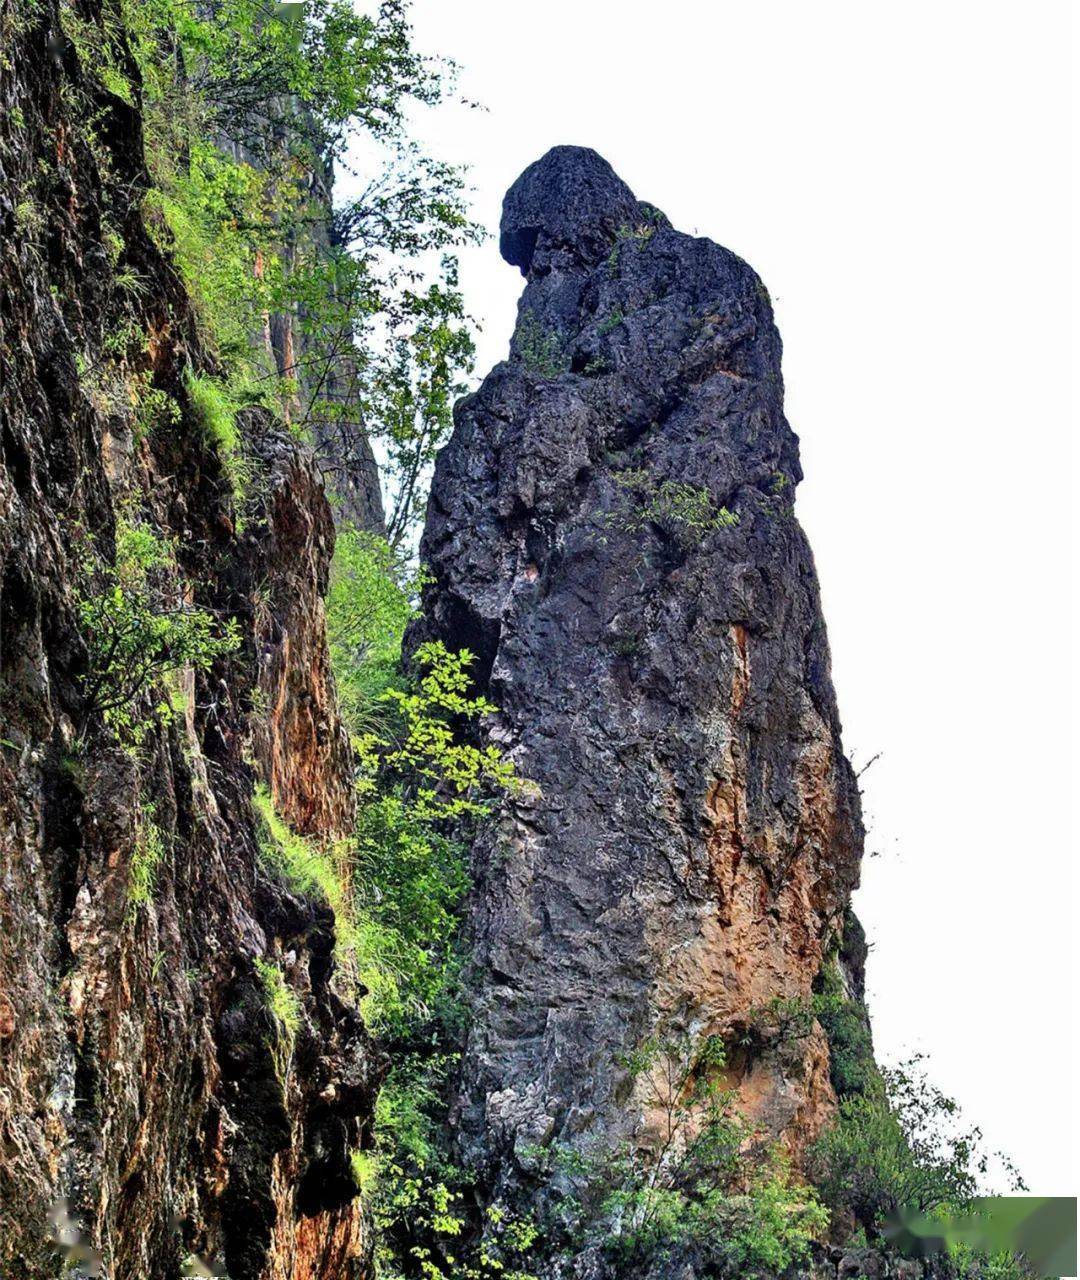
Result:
pixel 384 344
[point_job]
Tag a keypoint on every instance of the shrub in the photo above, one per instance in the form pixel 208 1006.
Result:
pixel 691 1182
pixel 424 1218
pixel 770 1228
pixel 684 511
pixel 153 408
pixel 450 775
pixel 214 411
pixel 149 850
pixel 639 233
pixel 416 773
pixel 540 351
pixel 140 629
pixel 852 1068
pixel 412 877
pixel 284 1006
pixel 899 1145
pixel 610 322
pixel 863 1161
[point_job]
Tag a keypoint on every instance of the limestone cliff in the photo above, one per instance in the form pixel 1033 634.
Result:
pixel 611 529
pixel 154 1109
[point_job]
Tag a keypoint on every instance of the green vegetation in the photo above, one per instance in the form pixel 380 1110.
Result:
pixel 695 1177
pixel 395 883
pixel 683 511
pixel 410 931
pixel 283 1004
pixel 309 867
pixel 437 1223
pixel 541 352
pixel 896 1142
pixel 610 322
pixel 140 629
pixel 29 220
pixel 967 1263
pixel 422 780
pixel 230 264
pixel 844 1022
pixel 153 408
pixel 851 1052
pixel 380 340
pixel 899 1144
pixel 370 601
pixel 446 771
pixel 638 234
pixel 378 343
pixel 417 774
pixel 214 412
pixel 149 850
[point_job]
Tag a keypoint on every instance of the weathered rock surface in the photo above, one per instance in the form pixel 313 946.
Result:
pixel 663 678
pixel 147 1101
pixel 297 349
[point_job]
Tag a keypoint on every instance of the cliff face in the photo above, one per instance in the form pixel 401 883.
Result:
pixel 328 399
pixel 154 1107
pixel 611 530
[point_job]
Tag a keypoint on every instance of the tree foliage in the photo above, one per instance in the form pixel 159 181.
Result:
pixel 901 1144
pixel 248 106
pixel 370 601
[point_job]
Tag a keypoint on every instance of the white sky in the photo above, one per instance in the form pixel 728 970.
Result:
pixel 898 176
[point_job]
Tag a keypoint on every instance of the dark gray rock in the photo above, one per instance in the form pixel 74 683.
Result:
pixel 571 199
pixel 692 834
pixel 861 1264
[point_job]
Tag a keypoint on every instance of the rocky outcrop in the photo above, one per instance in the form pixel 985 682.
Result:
pixel 611 531
pixel 153 1106
pixel 299 742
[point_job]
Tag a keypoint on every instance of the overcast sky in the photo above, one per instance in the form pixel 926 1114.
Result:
pixel 897 175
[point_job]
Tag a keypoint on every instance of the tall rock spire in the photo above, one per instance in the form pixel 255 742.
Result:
pixel 611 530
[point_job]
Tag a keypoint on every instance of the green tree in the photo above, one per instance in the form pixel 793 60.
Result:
pixel 370 601
pixel 295 89
pixel 900 1144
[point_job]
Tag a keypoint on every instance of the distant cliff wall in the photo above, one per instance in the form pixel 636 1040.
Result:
pixel 308 350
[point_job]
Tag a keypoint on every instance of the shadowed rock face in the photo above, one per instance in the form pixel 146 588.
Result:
pixel 149 1108
pixel 662 673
